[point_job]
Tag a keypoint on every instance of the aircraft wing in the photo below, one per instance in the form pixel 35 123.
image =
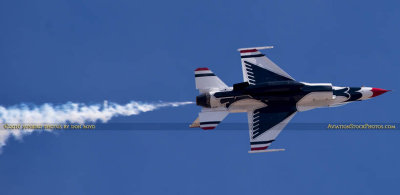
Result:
pixel 265 124
pixel 257 68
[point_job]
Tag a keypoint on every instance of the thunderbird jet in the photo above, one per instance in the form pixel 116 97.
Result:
pixel 269 96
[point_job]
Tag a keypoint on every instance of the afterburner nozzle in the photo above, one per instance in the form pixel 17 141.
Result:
pixel 203 100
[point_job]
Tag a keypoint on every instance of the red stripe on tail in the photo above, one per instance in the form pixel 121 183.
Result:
pixel 198 69
pixel 248 50
pixel 208 128
pixel 260 148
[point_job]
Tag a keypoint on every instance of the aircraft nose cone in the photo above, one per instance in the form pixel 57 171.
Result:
pixel 378 91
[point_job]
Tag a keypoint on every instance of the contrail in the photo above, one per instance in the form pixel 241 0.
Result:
pixel 69 112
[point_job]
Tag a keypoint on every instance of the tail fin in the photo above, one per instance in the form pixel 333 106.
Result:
pixel 206 80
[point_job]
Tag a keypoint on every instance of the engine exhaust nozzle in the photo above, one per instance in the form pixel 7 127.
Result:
pixel 203 100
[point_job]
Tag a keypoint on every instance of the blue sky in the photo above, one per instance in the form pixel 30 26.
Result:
pixel 91 51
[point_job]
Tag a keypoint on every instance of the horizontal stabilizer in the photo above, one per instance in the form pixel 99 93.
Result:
pixel 210 119
pixel 206 80
pixel 196 123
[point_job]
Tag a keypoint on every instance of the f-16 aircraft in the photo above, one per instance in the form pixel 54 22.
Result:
pixel 269 96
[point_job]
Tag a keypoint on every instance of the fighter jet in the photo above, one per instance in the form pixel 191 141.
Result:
pixel 269 96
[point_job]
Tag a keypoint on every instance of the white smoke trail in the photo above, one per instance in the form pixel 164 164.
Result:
pixel 69 112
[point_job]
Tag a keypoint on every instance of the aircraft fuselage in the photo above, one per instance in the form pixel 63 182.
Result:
pixel 303 96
